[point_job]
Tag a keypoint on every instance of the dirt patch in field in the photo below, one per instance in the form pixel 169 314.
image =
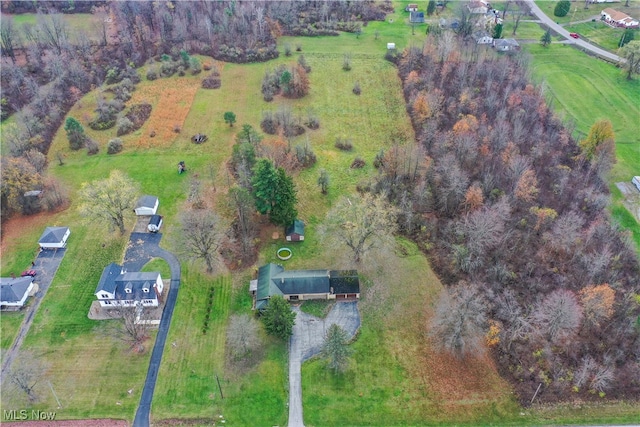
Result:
pixel 13 228
pixel 69 423
pixel 172 100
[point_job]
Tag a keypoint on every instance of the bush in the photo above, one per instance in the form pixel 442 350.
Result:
pixel 195 66
pixel 357 163
pixel 92 146
pixel 356 88
pixel 287 49
pixel 212 81
pixel 152 73
pixel 562 8
pixel 312 121
pixel 168 68
pixel 124 126
pixel 305 155
pixel 114 146
pixel 344 144
pixel 346 62
pixel 181 71
pixel 269 124
pixel 303 63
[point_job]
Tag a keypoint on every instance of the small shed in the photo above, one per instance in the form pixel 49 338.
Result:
pixel 411 8
pixel 54 237
pixel 14 292
pixel 147 205
pixel 416 17
pixel 391 46
pixel 295 231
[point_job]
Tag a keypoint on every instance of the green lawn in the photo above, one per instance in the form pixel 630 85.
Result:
pixel 599 33
pixel 9 324
pixel 88 24
pixel 577 12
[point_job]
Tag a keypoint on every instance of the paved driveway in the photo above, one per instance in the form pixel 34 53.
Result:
pixel 46 266
pixel 306 342
pixel 141 249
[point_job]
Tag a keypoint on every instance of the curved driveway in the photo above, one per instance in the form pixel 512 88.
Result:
pixel 564 33
pixel 142 248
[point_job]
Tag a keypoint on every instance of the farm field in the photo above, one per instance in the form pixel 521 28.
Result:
pixel 395 378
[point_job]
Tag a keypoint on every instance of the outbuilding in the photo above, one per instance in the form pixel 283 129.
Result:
pixel 147 205
pixel 295 231
pixel 14 292
pixel 54 238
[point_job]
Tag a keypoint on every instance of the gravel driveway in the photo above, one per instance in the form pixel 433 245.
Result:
pixel 306 342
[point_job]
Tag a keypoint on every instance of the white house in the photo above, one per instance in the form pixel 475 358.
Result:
pixel 618 19
pixel 391 46
pixel 147 205
pixel 14 292
pixel 118 288
pixel 506 45
pixel 54 237
pixel 482 37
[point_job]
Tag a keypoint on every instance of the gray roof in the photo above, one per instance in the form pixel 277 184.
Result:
pixel 147 202
pixel 53 234
pixel 296 228
pixel 114 280
pixel 274 280
pixel 479 34
pixel 505 42
pixel 13 290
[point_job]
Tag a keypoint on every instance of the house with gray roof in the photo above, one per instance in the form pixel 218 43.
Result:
pixel 119 288
pixel 301 285
pixel 54 237
pixel 14 292
pixel 147 205
pixel 506 45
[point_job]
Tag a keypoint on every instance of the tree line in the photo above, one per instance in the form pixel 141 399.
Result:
pixel 512 212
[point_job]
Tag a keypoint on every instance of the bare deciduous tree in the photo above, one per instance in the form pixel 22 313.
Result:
pixel 134 328
pixel 26 375
pixel 201 236
pixel 458 325
pixel 243 335
pixel 559 315
pixel 362 222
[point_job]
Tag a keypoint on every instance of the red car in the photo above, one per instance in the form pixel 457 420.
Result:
pixel 31 273
pixel 574 35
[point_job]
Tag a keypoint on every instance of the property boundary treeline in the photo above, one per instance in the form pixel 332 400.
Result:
pixel 508 208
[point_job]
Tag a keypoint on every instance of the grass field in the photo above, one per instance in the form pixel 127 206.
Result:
pixel 579 13
pixel 87 24
pixel 605 94
pixel 395 378
pixel 598 33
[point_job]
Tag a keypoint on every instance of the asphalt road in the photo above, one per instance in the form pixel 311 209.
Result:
pixel 142 247
pixel 46 266
pixel 549 22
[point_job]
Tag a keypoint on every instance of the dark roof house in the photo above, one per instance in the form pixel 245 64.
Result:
pixel 14 291
pixel 295 231
pixel 118 287
pixel 416 17
pixel 54 237
pixel 298 285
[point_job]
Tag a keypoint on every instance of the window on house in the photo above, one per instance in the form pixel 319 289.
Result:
pixel 145 290
pixel 105 296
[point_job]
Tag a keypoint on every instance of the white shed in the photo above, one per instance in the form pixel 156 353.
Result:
pixel 147 205
pixel 54 237
pixel 391 46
